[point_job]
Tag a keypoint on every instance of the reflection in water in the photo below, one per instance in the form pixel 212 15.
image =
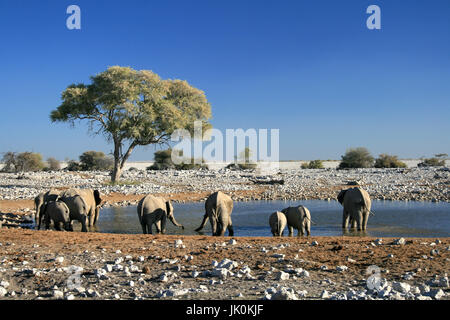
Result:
pixel 392 219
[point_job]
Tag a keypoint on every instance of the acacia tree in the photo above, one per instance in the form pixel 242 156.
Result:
pixel 133 108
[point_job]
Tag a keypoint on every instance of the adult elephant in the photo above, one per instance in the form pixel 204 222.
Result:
pixel 155 211
pixel 298 218
pixel 357 204
pixel 277 222
pixel 218 208
pixel 92 200
pixel 78 208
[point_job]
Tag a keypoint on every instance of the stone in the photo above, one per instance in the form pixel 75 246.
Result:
pixel 3 292
pixel 284 294
pixel 57 294
pixel 436 294
pixel 400 241
pixel 341 268
pixel 282 275
pixel 401 287
pixel 324 295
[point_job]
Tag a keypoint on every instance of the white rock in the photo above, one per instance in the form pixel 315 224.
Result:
pixel 282 275
pixel 401 287
pixel 324 295
pixel 341 268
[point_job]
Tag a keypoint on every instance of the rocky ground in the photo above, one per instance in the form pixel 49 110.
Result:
pixel 421 184
pixel 63 265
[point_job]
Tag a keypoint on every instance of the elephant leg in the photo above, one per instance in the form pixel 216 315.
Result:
pixel 359 219
pixel 163 222
pixel 213 226
pixel 308 228
pixel 230 228
pixel 345 218
pixel 83 220
pixel 364 221
pixel 353 223
pixel 91 217
pixel 291 231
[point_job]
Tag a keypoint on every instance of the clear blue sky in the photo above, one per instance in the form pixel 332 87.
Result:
pixel 309 68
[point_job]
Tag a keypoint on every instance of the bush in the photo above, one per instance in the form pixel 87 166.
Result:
pixel 388 161
pixel 53 164
pixel 432 162
pixel 357 158
pixel 163 161
pixel 314 164
pixel 29 161
pixel 73 165
pixel 95 160
pixel 9 159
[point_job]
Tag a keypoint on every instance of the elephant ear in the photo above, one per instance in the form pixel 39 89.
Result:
pixel 98 200
pixel 341 195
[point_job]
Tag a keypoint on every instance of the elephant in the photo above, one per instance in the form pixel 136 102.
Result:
pixel 357 204
pixel 38 202
pixel 77 207
pixel 59 213
pixel 153 210
pixel 298 218
pixel 92 200
pixel 51 195
pixel 218 208
pixel 277 222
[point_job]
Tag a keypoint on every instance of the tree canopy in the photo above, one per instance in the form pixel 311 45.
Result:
pixel 133 108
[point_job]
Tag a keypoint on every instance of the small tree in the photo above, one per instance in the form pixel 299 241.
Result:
pixel 29 161
pixel 388 161
pixel 73 165
pixel 163 161
pixel 53 164
pixel 95 160
pixel 9 160
pixel 357 158
pixel 133 108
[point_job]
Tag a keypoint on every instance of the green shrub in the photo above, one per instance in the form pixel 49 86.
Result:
pixel 388 161
pixel 95 160
pixel 432 162
pixel 73 165
pixel 314 164
pixel 53 164
pixel 29 161
pixel 357 158
pixel 163 161
pixel 9 160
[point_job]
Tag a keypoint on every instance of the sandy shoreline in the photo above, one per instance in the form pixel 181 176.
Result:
pixel 118 266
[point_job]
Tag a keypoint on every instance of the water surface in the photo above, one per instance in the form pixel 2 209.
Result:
pixel 392 218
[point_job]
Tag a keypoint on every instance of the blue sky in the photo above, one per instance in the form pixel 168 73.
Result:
pixel 309 68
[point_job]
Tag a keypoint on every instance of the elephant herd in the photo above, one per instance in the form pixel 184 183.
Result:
pixel 83 205
pixel 63 207
pixel 356 202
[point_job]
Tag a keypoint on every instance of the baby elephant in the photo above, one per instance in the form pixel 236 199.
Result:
pixel 298 218
pixel 277 222
pixel 59 213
